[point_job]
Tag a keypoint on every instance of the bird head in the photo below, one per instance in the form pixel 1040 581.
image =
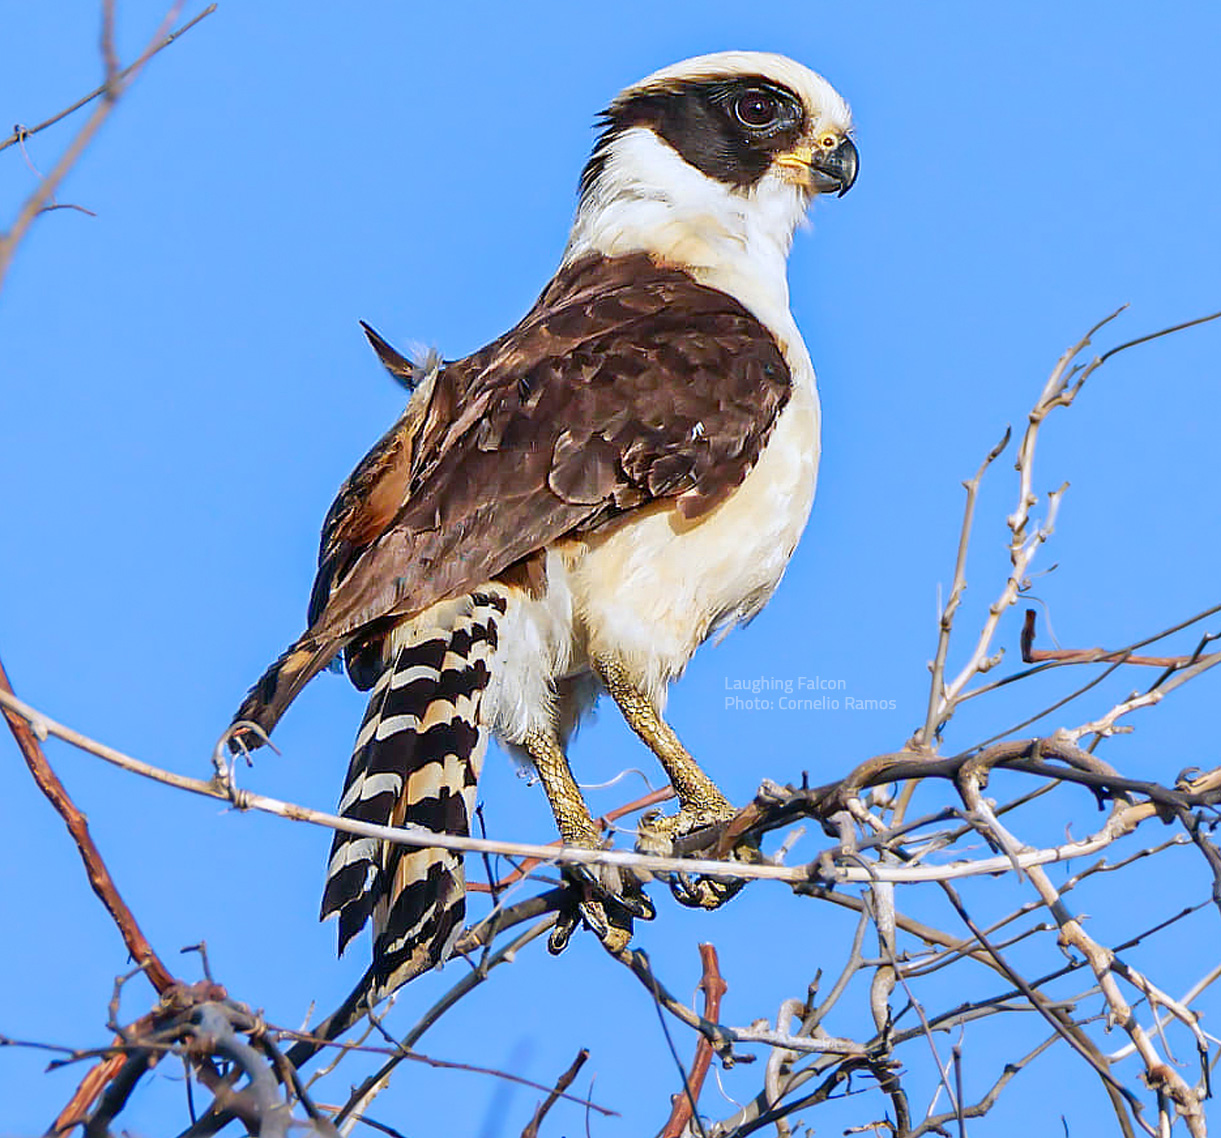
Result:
pixel 718 151
pixel 738 118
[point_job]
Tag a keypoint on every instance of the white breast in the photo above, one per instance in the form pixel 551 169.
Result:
pixel 650 590
pixel 655 588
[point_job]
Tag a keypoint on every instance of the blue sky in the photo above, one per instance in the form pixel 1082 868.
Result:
pixel 185 385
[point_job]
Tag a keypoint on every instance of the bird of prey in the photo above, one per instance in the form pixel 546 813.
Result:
pixel 573 509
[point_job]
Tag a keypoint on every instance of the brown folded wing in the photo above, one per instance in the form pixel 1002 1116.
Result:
pixel 628 382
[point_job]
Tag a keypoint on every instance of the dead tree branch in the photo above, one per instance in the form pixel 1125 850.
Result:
pixel 713 985
pixel 561 1085
pixel 111 91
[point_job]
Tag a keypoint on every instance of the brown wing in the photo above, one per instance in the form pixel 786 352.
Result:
pixel 627 383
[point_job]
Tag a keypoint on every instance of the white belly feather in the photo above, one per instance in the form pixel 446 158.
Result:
pixel 651 590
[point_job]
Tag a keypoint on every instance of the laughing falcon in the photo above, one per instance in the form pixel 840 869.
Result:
pixel 576 507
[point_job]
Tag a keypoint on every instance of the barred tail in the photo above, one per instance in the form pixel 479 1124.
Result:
pixel 417 760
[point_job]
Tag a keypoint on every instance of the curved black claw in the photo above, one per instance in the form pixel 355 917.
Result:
pixel 606 907
pixel 565 926
pixel 690 834
pixel 702 892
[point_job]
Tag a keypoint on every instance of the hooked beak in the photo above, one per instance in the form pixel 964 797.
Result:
pixel 835 169
pixel 824 170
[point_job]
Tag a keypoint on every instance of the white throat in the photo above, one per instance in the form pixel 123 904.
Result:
pixel 648 199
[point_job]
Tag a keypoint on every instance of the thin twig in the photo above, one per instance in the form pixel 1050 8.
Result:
pixel 523 869
pixel 561 1085
pixel 21 133
pixel 1032 655
pixel 713 985
pixel 44 194
pixel 936 695
pixel 362 1095
pixel 99 876
pixel 873 772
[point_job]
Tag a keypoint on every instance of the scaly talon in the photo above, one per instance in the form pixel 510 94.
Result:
pixel 606 902
pixel 702 805
pixel 687 821
pixel 605 899
pixel 658 834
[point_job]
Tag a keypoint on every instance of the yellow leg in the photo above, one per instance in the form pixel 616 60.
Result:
pixel 572 816
pixel 610 897
pixel 700 802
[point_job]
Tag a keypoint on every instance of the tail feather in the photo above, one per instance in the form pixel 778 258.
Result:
pixel 277 687
pixel 416 761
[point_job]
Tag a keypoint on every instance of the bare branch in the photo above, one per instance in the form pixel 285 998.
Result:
pixel 561 1085
pixel 936 695
pixel 99 876
pixel 1159 1074
pixel 113 89
pixel 713 985
pixel 23 132
pixel 1032 655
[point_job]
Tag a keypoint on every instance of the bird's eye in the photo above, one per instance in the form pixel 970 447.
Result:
pixel 756 109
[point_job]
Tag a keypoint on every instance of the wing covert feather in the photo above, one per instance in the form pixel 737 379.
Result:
pixel 628 382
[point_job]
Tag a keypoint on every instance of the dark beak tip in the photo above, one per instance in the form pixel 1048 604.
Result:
pixel 837 169
pixel 849 160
